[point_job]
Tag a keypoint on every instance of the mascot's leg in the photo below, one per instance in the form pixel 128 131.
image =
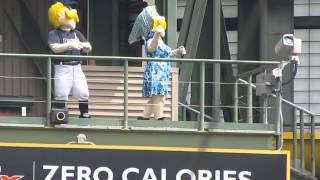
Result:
pixel 84 108
pixel 147 110
pixel 62 85
pixel 158 107
pixel 80 91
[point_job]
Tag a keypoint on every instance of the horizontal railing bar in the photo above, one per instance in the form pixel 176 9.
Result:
pixel 285 101
pixel 38 56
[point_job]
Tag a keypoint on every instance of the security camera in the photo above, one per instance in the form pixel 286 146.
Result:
pixel 288 46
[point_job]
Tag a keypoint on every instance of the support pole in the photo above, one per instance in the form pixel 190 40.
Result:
pixel 125 104
pixel 235 101
pixel 294 138
pixel 249 100
pixel 47 121
pixel 202 95
pixel 301 140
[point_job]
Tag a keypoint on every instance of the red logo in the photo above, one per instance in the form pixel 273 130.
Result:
pixel 14 177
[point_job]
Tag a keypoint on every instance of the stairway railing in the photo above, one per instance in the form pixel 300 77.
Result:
pixel 303 126
pixel 302 113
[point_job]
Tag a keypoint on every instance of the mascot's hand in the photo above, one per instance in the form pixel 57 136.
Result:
pixel 182 51
pixel 86 47
pixel 179 52
pixel 161 31
pixel 75 45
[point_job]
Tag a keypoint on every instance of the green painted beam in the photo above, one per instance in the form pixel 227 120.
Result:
pixel 142 133
pixel 138 137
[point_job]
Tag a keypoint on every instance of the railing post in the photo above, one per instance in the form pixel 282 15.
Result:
pixel 294 137
pixel 184 113
pixel 265 109
pixel 125 104
pixel 278 115
pixel 235 101
pixel 202 94
pixel 313 147
pixel 301 140
pixel 249 100
pixel 48 107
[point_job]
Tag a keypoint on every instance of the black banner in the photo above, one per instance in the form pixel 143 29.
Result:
pixel 71 162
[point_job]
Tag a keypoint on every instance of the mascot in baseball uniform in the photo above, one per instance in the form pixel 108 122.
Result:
pixel 64 39
pixel 150 26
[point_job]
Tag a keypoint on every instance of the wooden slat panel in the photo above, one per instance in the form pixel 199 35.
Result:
pixel 115 107
pixel 115 87
pixel 113 113
pixel 117 93
pixel 117 100
pixel 112 74
pixel 175 88
pixel 106 92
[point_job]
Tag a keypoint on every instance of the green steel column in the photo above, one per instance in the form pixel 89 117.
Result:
pixel 125 104
pixel 115 28
pixel 171 15
pixel 202 95
pixel 115 31
pixel 216 67
pixel 47 123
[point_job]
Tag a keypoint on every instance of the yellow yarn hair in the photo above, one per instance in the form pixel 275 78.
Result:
pixel 72 14
pixel 159 21
pixel 53 14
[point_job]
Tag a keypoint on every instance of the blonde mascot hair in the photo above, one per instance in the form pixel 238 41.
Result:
pixel 57 8
pixel 159 21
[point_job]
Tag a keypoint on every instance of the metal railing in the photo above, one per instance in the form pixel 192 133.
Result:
pixel 125 60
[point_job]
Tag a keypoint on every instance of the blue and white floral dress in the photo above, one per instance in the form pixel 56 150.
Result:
pixel 156 73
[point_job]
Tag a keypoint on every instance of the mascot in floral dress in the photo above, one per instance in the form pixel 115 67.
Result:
pixel 151 27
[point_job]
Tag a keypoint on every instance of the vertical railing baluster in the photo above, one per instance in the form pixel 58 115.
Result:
pixel 301 140
pixel 313 147
pixel 184 114
pixel 235 101
pixel 278 110
pixel 249 100
pixel 265 110
pixel 294 137
pixel 48 105
pixel 126 79
pixel 202 94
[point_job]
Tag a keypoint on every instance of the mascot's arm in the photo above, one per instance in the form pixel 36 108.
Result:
pixel 152 46
pixel 62 47
pixel 85 46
